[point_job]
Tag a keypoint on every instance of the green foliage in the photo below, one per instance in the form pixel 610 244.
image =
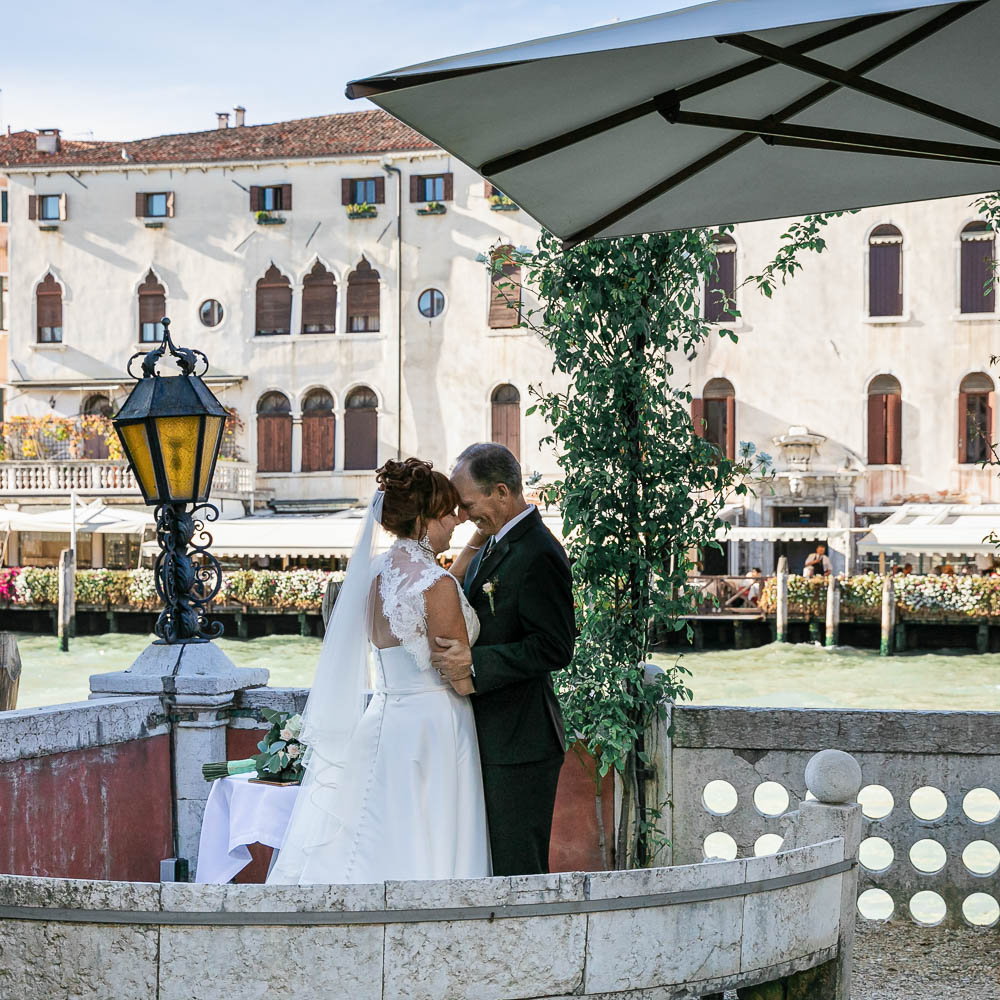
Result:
pixel 988 206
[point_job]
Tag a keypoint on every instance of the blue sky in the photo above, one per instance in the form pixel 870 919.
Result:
pixel 113 70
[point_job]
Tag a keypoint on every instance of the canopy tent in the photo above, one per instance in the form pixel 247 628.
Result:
pixel 96 518
pixel 935 529
pixel 729 111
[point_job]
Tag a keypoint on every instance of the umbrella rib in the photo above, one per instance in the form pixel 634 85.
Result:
pixel 824 90
pixel 853 81
pixel 518 157
pixel 810 135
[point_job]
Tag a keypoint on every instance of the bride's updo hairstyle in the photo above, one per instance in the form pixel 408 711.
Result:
pixel 413 492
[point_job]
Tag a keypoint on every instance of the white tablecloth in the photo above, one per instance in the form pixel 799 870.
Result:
pixel 237 814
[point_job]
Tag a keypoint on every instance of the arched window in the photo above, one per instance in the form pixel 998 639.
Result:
pixel 363 299
pixel 48 301
pixel 885 421
pixel 975 418
pixel 506 418
pixel 714 415
pixel 319 301
pixel 720 288
pixel 318 426
pixel 978 254
pixel 274 433
pixel 152 309
pixel 95 444
pixel 361 429
pixel 274 304
pixel 505 291
pixel 885 272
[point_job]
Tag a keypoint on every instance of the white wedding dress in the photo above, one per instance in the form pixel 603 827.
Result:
pixel 405 800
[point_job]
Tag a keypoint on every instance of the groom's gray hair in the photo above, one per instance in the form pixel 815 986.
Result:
pixel 490 464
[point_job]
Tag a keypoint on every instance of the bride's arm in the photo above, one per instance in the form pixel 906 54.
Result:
pixel 445 618
pixel 461 564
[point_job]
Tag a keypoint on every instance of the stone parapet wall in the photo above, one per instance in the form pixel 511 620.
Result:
pixel 955 753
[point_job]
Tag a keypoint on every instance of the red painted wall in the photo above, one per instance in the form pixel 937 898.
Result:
pixel 575 845
pixel 103 812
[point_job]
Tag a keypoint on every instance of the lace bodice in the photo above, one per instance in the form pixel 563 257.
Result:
pixel 405 572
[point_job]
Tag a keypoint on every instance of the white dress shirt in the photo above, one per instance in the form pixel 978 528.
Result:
pixel 514 520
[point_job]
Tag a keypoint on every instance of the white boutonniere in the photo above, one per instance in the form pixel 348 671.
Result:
pixel 489 589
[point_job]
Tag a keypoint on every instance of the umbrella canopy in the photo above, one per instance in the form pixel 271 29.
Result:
pixel 722 112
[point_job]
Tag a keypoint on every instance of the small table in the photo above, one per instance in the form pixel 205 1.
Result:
pixel 237 814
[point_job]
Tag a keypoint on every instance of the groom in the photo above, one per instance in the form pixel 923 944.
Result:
pixel 520 585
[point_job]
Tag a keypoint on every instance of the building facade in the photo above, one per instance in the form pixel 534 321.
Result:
pixel 332 270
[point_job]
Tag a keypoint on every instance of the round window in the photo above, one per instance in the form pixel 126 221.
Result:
pixel 210 312
pixel 431 303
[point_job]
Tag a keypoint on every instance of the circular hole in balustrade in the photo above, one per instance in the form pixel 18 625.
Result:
pixel 719 797
pixel 876 801
pixel 928 856
pixel 927 908
pixel 981 858
pixel 876 854
pixel 768 843
pixel 719 845
pixel 770 798
pixel 981 909
pixel 928 803
pixel 982 805
pixel 875 904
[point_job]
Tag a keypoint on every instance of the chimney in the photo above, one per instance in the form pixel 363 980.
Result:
pixel 241 115
pixel 47 140
pixel 223 119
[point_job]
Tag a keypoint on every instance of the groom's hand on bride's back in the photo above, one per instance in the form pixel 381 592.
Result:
pixel 452 659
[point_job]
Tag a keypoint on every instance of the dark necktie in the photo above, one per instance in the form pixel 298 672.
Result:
pixel 490 543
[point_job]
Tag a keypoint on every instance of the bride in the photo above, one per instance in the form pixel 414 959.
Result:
pixel 393 791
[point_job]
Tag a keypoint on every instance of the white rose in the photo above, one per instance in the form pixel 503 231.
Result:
pixel 286 734
pixel 293 750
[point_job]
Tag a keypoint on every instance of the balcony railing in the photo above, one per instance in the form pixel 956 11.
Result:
pixel 104 477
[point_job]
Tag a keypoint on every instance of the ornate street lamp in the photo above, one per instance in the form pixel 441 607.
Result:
pixel 170 428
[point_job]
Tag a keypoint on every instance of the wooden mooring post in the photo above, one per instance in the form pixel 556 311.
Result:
pixel 832 611
pixel 888 616
pixel 10 671
pixel 781 601
pixel 66 616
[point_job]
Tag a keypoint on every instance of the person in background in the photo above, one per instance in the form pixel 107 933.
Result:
pixel 818 562
pixel 907 569
pixel 753 591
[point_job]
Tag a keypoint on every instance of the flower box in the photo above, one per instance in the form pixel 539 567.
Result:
pixel 432 208
pixel 363 211
pixel 265 219
pixel 153 225
pixel 501 203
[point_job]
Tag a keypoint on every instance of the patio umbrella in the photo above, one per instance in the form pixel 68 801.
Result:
pixel 722 112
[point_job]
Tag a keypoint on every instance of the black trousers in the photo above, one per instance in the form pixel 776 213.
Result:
pixel 519 803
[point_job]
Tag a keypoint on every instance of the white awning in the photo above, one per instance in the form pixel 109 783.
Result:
pixel 935 529
pixel 92 518
pixel 794 533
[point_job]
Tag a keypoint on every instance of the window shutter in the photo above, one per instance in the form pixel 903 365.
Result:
pixel 963 416
pixel 487 189
pixel 876 429
pixel 885 279
pixel 731 422
pixel 415 187
pixel 256 199
pixel 720 289
pixel 506 421
pixel 363 299
pixel 977 257
pixel 894 429
pixel 274 304
pixel 345 191
pixel 152 306
pixel 140 204
pixel 319 302
pixel 32 207
pixel 63 214
pixel 379 190
pixel 360 438
pixel 49 308
pixel 449 187
pixel 170 204
pixel 698 415
pixel 318 441
pixel 286 196
pixel 274 442
pixel 991 437
pixel 503 313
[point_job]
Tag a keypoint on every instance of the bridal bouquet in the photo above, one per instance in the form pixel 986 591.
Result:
pixel 281 754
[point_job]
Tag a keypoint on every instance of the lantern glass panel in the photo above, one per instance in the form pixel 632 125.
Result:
pixel 138 447
pixel 179 450
pixel 213 430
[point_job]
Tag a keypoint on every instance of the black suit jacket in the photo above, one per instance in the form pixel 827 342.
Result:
pixel 526 634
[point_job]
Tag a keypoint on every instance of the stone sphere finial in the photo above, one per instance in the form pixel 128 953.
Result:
pixel 834 777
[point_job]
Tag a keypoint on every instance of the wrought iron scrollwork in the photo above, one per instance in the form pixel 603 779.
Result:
pixel 188 358
pixel 186 585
